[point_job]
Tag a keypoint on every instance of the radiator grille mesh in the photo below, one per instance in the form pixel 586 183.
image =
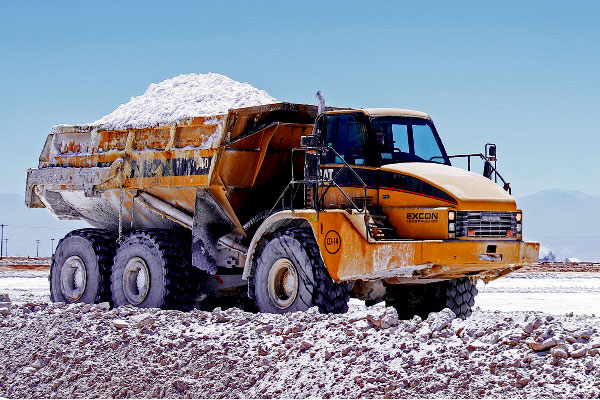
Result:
pixel 486 224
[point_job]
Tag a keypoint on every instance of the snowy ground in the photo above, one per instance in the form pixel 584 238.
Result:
pixel 553 293
pixel 25 285
pixel 52 350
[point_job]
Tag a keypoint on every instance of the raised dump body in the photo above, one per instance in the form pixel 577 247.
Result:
pixel 149 177
pixel 281 207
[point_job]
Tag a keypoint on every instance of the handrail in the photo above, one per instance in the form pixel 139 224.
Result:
pixel 488 162
pixel 346 165
pixel 321 182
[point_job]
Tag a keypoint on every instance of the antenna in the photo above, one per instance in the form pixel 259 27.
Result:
pixel 321 102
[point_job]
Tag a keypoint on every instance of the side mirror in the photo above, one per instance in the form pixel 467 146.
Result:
pixel 490 151
pixel 310 141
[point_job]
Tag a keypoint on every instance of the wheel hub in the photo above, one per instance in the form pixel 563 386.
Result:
pixel 136 280
pixel 283 283
pixel 73 278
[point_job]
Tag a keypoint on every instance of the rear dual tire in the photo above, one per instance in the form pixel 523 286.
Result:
pixel 152 269
pixel 81 267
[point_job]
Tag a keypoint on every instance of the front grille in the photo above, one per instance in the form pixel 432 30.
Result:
pixel 486 224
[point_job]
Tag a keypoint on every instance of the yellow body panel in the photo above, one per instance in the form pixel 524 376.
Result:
pixel 348 255
pixel 471 191
pixel 419 223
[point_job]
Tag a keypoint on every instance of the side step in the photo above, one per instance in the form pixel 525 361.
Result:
pixel 380 227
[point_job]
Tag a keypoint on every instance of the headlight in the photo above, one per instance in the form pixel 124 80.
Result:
pixel 518 217
pixel 451 215
pixel 451 227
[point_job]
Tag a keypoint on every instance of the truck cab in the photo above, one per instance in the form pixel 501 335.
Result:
pixel 409 178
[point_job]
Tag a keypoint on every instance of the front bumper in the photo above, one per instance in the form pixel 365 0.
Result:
pixel 409 261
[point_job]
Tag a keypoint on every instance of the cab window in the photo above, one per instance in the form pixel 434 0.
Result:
pixel 349 135
pixel 407 140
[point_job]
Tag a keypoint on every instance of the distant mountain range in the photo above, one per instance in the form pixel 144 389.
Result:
pixel 564 222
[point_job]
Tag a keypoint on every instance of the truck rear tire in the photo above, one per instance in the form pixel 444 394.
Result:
pixel 456 294
pixel 81 266
pixel 290 276
pixel 152 268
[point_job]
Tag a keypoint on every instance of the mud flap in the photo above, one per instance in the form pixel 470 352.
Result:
pixel 210 223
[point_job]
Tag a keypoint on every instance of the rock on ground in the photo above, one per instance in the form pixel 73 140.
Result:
pixel 66 351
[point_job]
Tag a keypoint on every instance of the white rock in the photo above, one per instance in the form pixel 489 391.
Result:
pixel 39 363
pixel 578 352
pixel 423 334
pixel 477 345
pixel 541 346
pixel 589 365
pixel 120 323
pixel 442 320
pixel 411 327
pixel 494 338
pixel 125 312
pixel 585 334
pixel 559 351
pixel 390 318
pixel 513 337
pixel 28 370
pixel 141 320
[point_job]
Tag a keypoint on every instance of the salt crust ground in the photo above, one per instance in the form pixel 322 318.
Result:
pixel 182 97
pixel 53 350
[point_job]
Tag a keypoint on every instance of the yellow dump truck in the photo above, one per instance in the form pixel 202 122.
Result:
pixel 280 207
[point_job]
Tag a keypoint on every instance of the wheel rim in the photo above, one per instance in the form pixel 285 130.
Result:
pixel 136 280
pixel 73 278
pixel 283 283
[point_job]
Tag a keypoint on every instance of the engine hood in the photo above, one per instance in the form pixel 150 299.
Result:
pixel 469 190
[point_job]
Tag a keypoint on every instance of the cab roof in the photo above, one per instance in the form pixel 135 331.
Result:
pixel 396 112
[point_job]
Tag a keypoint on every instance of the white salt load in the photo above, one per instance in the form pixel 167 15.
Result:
pixel 182 97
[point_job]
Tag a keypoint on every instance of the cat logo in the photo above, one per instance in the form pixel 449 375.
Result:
pixel 327 174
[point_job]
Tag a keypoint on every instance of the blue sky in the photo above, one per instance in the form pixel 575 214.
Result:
pixel 521 74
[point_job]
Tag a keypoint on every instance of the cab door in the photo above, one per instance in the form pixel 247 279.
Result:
pixel 349 134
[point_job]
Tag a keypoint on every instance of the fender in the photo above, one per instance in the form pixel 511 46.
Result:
pixel 275 222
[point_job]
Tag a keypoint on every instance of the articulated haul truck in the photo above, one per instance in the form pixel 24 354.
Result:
pixel 280 208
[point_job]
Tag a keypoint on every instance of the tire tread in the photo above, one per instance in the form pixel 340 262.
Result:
pixel 180 278
pixel 104 243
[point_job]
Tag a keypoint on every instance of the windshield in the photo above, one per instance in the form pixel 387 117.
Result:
pixel 408 140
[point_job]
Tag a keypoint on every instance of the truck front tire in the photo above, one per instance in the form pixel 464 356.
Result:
pixel 81 265
pixel 152 269
pixel 456 294
pixel 290 276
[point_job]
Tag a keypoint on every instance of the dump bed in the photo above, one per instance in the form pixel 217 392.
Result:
pixel 149 177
